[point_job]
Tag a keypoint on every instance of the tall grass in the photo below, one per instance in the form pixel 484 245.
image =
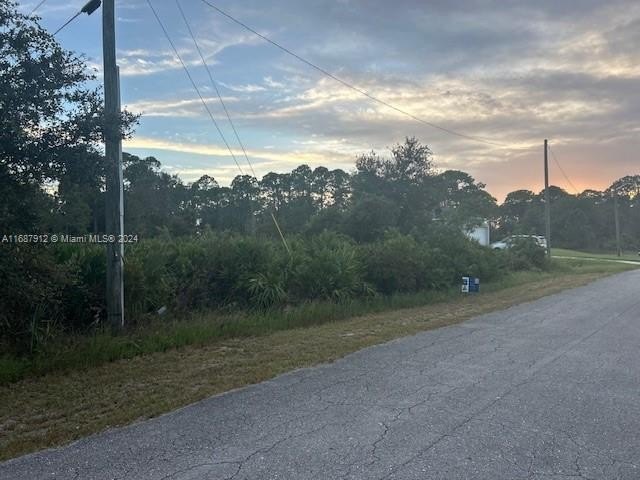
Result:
pixel 60 289
pixel 248 286
pixel 175 331
pixel 83 351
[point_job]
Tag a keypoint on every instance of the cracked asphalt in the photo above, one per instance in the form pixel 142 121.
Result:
pixel 544 390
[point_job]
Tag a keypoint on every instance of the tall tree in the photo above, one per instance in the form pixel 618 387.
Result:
pixel 406 179
pixel 340 188
pixel 464 202
pixel 50 113
pixel 154 200
pixel 514 208
pixel 320 179
pixel 275 188
pixel 245 202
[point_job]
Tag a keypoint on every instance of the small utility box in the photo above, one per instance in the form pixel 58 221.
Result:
pixel 470 284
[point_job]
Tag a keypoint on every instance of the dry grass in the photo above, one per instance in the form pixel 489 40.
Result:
pixel 57 408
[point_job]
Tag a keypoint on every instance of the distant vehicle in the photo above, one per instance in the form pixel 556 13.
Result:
pixel 511 239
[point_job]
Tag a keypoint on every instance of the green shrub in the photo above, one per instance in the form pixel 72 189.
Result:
pixel 440 270
pixel 395 264
pixel 267 290
pixel 217 270
pixel 148 282
pixel 325 267
pixel 32 295
pixel 526 254
pixel 52 289
pixel 447 255
pixel 84 293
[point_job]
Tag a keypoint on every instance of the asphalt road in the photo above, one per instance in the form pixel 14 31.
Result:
pixel 544 390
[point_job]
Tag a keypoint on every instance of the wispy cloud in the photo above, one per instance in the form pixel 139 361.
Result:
pixel 175 108
pixel 515 73
pixel 263 157
pixel 138 62
pixel 249 88
pixel 264 160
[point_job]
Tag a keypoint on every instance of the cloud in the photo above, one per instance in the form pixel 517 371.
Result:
pixel 174 107
pixel 271 83
pixel 218 162
pixel 144 62
pixel 263 160
pixel 250 88
pixel 512 72
pixel 141 61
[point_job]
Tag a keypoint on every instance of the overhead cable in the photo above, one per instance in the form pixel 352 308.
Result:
pixel 564 174
pixel 193 83
pixel 351 86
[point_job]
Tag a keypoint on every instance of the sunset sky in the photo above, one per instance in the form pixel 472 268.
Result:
pixel 512 72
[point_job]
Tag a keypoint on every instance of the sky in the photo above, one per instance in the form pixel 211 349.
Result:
pixel 512 72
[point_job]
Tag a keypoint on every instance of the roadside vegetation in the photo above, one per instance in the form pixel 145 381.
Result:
pixel 391 227
pixel 215 297
pixel 241 285
pixel 64 405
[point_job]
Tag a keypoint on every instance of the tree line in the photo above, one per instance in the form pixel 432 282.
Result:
pixel 52 174
pixel 401 192
pixel 584 221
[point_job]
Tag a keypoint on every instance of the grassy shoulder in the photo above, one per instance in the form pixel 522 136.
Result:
pixel 58 407
pixel 563 252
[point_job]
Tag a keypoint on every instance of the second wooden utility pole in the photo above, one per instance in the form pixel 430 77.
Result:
pixel 547 203
pixel 113 169
pixel 616 216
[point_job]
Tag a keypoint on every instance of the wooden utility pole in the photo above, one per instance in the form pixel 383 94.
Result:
pixel 547 203
pixel 113 169
pixel 617 220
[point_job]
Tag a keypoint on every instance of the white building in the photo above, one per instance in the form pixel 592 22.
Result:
pixel 480 234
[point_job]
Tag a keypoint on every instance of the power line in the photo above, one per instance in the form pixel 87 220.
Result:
pixel 215 87
pixel 88 8
pixel 351 86
pixel 37 7
pixel 175 50
pixel 562 170
pixel 226 111
pixel 555 159
pixel 67 23
pixel 193 83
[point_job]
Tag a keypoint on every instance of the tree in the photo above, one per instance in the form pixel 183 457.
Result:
pixel 154 200
pixel 244 202
pixel 411 162
pixel 628 186
pixel 55 117
pixel 301 182
pixel 50 167
pixel 370 217
pixel 340 188
pixel 275 188
pixel 628 191
pixel 514 208
pixel 79 197
pixel 406 179
pixel 320 180
pixel 465 203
